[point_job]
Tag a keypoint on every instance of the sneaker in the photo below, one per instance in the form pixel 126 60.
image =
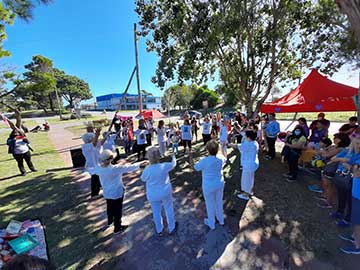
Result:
pixel 243 197
pixel 290 179
pixel 322 199
pixel 175 229
pixel 206 222
pixel 336 215
pixel 343 223
pixel 315 189
pixel 267 157
pixel 23 174
pixel 286 175
pixel 159 234
pixel 346 237
pixel 324 205
pixel 351 250
pixel 34 170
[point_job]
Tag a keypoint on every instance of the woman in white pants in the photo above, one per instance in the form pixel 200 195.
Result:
pixel 212 184
pixel 161 132
pixel 249 161
pixel 159 190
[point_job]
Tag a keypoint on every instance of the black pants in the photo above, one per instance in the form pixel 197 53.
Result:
pixel 148 139
pixel 114 212
pixel 293 159
pixel 95 185
pixel 345 202
pixel 141 148
pixel 206 138
pixel 194 133
pixel 20 161
pixel 271 145
pixel 186 143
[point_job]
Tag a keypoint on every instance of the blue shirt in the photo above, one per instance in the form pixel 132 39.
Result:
pixel 272 129
pixel 353 159
pixel 356 188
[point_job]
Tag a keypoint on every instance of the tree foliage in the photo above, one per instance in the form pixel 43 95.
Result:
pixel 38 82
pixel 188 96
pixel 252 44
pixel 352 9
pixel 71 88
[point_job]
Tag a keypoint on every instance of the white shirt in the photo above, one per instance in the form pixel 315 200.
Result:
pixel 212 174
pixel 111 179
pixel 249 155
pixel 141 136
pixel 91 154
pixel 223 133
pixel 21 147
pixel 186 132
pixel 206 128
pixel 171 131
pixel 161 132
pixel 109 143
pixel 156 177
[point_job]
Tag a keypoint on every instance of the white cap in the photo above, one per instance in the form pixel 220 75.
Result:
pixel 106 155
pixel 88 137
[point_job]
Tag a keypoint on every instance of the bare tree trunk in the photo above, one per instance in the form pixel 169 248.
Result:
pixel 352 9
pixel 51 102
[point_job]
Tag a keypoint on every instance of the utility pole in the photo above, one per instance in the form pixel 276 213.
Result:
pixel 137 68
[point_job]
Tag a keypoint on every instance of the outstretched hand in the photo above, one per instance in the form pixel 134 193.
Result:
pixel 98 131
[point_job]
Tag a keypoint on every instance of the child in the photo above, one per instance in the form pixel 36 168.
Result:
pixel 249 162
pixel 161 132
pixel 175 139
pixel 113 187
pixel 141 134
pixel 170 132
pixel 212 184
pixel 159 190
pixel 91 150
pixel 194 128
pixel 186 134
pixel 223 136
pixel 206 130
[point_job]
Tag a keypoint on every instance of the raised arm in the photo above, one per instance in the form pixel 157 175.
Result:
pixel 97 135
pixel 171 165
pixel 18 118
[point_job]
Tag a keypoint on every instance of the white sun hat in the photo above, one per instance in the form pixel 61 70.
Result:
pixel 106 155
pixel 88 137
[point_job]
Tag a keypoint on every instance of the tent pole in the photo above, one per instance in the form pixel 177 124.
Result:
pixel 294 119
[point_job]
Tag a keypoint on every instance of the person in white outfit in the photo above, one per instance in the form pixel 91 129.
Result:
pixel 91 150
pixel 159 190
pixel 186 136
pixel 212 184
pixel 206 130
pixel 161 133
pixel 249 149
pixel 223 138
pixel 113 187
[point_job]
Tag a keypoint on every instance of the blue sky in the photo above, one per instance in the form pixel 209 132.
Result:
pixel 93 41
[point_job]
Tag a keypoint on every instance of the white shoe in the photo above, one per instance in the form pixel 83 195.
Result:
pixel 243 197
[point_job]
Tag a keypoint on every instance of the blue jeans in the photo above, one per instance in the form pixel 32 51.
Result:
pixel 175 146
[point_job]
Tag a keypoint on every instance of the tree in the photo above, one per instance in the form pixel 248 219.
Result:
pixel 352 9
pixel 38 82
pixel 169 99
pixel 201 94
pixel 251 43
pixel 71 88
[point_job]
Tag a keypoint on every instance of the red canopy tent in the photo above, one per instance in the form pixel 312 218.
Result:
pixel 146 114
pixel 315 94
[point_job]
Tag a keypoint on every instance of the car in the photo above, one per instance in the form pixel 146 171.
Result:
pixel 192 113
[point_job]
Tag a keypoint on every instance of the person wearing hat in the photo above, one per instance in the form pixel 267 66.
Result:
pixel 159 190
pixel 91 150
pixel 113 187
pixel 213 184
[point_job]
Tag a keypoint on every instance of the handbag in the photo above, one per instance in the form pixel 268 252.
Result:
pixel 343 180
pixel 329 170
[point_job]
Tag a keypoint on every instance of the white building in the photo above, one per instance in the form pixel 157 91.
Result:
pixel 131 102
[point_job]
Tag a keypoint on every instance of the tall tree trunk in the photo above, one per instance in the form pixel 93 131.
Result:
pixel 352 9
pixel 51 102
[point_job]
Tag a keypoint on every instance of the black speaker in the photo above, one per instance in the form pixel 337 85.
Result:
pixel 77 158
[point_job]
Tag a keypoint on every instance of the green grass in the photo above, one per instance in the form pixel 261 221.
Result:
pixel 54 121
pixel 332 116
pixel 28 123
pixel 53 198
